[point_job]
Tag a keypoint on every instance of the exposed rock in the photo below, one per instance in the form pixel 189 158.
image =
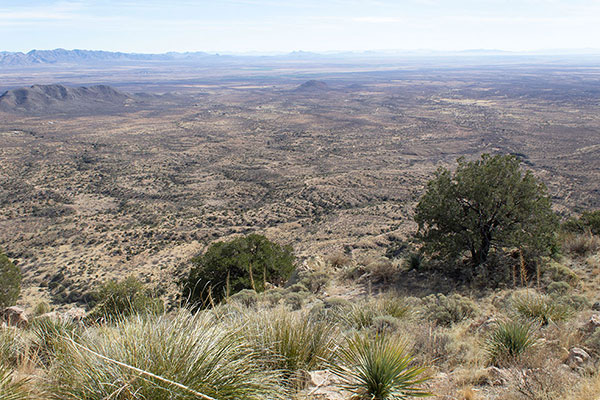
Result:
pixel 483 325
pixel 596 306
pixel 593 323
pixel 76 314
pixel 323 385
pixel 578 357
pixel 14 316
pixel 497 376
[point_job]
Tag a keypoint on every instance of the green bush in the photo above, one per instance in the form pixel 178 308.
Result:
pixel 558 288
pixel 122 298
pixel 447 310
pixel 246 262
pixel 10 276
pixel 510 340
pixel 589 221
pixel 379 368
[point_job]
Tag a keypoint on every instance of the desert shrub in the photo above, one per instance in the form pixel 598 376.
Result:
pixel 10 276
pixel 382 270
pixel 510 340
pixel 246 297
pixel 41 308
pixel 558 288
pixel 581 244
pixel 379 367
pixel 297 288
pixel 273 296
pixel 313 281
pixel 292 342
pixel 337 303
pixel 447 310
pixel 10 388
pixel 362 314
pixel 338 260
pixel 385 323
pixel 540 308
pixel 430 344
pixel 246 262
pixel 561 273
pixel 575 302
pixel 190 350
pixel 295 300
pixel 122 298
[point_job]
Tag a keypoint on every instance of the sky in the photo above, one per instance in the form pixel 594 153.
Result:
pixel 239 26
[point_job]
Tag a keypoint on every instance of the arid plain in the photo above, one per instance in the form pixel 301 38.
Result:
pixel 327 156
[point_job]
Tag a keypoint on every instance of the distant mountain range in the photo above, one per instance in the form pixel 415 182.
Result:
pixel 62 56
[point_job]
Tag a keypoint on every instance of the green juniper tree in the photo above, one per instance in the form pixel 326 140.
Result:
pixel 247 262
pixel 485 204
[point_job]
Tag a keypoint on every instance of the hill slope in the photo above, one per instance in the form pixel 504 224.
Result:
pixel 41 99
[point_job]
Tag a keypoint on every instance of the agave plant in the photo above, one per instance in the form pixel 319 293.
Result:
pixel 379 368
pixel 509 340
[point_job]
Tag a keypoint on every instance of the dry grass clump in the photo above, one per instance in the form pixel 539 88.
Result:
pixel 581 244
pixel 447 310
pixel 11 388
pixel 291 342
pixel 541 308
pixel 362 314
pixel 160 358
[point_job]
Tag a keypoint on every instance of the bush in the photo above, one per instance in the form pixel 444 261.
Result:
pixel 589 221
pixel 123 298
pixel 362 314
pixel 558 288
pixel 10 276
pixel 193 351
pixel 245 297
pixel 379 368
pixel 540 308
pixel 247 262
pixel 447 310
pixel 581 244
pixel 510 340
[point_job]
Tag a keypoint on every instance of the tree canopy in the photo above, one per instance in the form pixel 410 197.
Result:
pixel 10 278
pixel 485 204
pixel 247 262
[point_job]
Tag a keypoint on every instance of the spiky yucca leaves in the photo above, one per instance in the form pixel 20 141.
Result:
pixel 11 389
pixel 510 340
pixel 540 308
pixel 194 352
pixel 292 341
pixel 379 368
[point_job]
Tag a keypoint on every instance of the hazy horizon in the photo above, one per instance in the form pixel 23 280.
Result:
pixel 266 26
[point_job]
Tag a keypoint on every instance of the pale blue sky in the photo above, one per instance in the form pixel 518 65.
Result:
pixel 312 25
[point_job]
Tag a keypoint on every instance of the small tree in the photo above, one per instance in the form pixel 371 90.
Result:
pixel 10 282
pixel 247 262
pixel 485 204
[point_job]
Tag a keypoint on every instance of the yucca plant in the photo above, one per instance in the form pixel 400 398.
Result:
pixel 160 358
pixel 10 388
pixel 379 368
pixel 293 342
pixel 540 308
pixel 510 340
